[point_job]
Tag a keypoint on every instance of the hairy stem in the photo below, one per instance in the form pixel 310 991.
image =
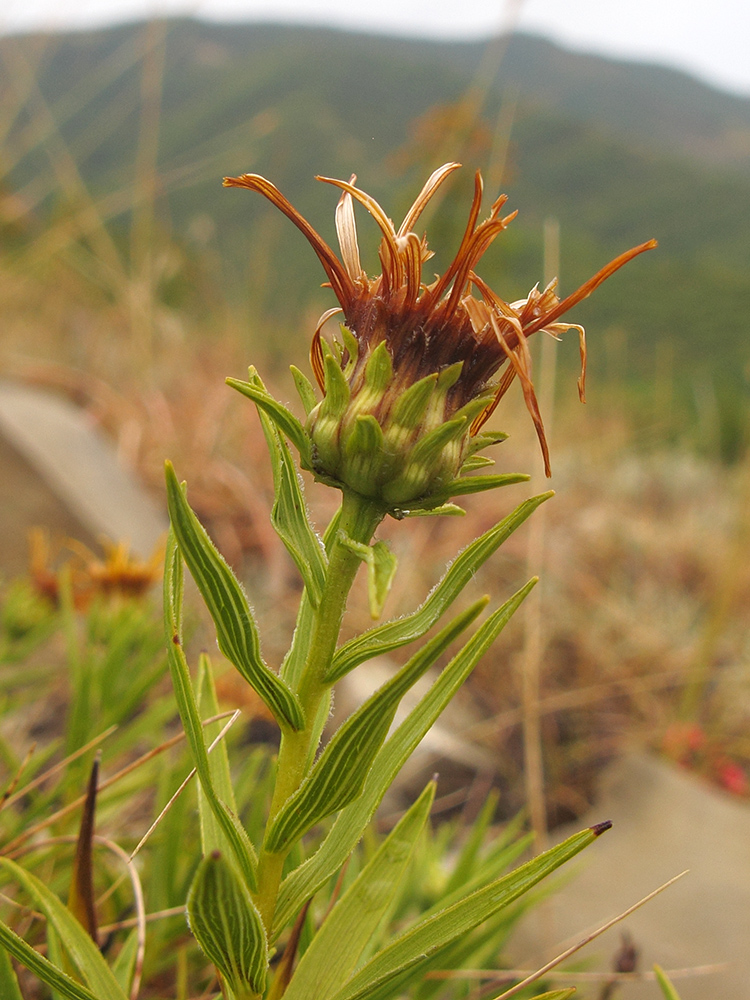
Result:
pixel 359 519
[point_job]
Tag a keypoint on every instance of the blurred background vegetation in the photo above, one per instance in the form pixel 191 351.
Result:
pixel 114 142
pixel 132 282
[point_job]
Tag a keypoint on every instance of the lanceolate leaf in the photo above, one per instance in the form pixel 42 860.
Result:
pixel 421 941
pixel 305 389
pixel 336 948
pixel 289 514
pixel 212 836
pixel 9 988
pixel 381 568
pixel 478 484
pixel 87 957
pixel 670 993
pixel 391 635
pixel 340 772
pixel 284 419
pixel 294 661
pixel 191 721
pixel 41 968
pixel 236 630
pixel 228 927
pixel 305 880
pixel 123 966
pixel 450 509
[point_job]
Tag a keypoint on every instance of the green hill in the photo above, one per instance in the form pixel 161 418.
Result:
pixel 618 151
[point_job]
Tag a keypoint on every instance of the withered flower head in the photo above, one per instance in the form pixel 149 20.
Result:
pixel 409 387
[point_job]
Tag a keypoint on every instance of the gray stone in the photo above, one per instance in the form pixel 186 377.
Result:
pixel 57 470
pixel 665 820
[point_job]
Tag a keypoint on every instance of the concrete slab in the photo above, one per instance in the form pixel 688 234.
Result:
pixel 664 821
pixel 58 470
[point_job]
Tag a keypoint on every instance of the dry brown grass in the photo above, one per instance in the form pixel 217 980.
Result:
pixel 645 580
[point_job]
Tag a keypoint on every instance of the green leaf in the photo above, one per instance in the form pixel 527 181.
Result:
pixel 381 568
pixel 284 419
pixel 475 462
pixel 483 440
pixel 305 880
pixel 294 661
pixel 9 988
pixel 450 509
pixel 82 950
pixel 336 948
pixel 289 513
pixel 478 484
pixel 391 635
pixel 305 389
pixel 665 984
pixel 41 967
pixel 341 770
pixel 463 867
pixel 236 630
pixel 191 720
pixel 418 943
pixel 212 836
pixel 123 966
pixel 227 926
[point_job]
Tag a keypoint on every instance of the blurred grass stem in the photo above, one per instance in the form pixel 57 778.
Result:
pixel 534 638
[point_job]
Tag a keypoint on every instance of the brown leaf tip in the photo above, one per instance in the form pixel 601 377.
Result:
pixel 599 828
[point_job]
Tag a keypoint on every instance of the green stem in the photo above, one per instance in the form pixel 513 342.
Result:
pixel 359 519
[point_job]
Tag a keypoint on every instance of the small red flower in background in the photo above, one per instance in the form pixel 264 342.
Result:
pixel 732 777
pixel 688 744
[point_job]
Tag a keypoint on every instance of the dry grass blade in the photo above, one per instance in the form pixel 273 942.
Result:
pixel 648 976
pixel 514 990
pixel 8 793
pixel 140 918
pixel 11 848
pixel 183 785
pixel 140 910
pixel 35 914
pixel 41 778
pixel 66 171
pixel 123 925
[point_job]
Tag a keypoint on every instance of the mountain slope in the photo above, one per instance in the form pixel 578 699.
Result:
pixel 618 152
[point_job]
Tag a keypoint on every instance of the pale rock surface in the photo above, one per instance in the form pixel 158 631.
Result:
pixel 665 820
pixel 57 470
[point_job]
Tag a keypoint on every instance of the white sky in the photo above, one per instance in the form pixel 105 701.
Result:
pixel 709 39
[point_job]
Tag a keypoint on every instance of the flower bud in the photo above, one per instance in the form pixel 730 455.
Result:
pixel 409 386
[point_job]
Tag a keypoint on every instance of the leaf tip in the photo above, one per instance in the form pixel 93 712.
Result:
pixel 599 828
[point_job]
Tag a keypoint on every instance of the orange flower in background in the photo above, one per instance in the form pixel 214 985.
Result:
pixel 427 328
pixel 118 574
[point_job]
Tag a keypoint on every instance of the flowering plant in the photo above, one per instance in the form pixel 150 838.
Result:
pixel 406 393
